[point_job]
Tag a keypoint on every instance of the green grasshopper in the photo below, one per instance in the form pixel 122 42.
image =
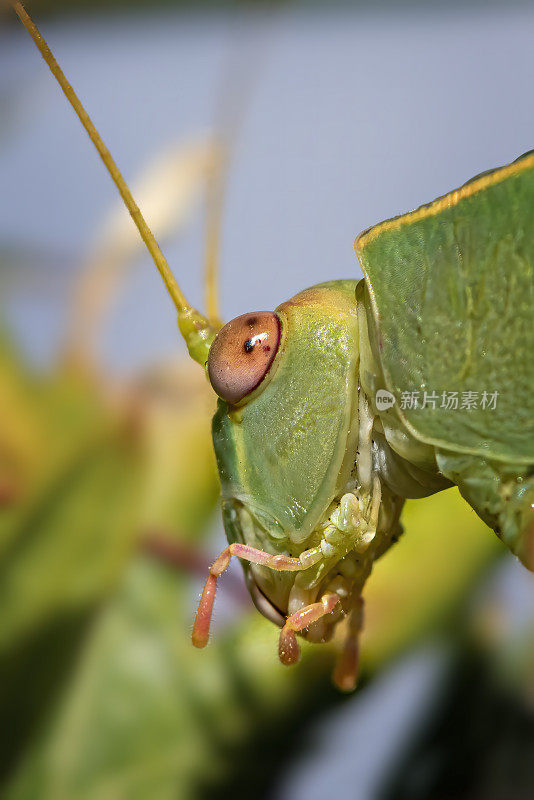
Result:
pixel 355 395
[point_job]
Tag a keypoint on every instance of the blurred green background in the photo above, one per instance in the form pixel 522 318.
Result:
pixel 108 488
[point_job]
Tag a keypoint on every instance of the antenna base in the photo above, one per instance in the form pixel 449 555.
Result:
pixel 197 332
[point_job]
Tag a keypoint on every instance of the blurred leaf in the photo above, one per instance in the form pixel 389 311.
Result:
pixel 181 484
pixel 96 467
pixel 66 533
pixel 32 676
pixel 147 715
pixel 47 421
pixel 19 433
pixel 70 543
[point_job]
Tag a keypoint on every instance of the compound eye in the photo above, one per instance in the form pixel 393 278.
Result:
pixel 242 353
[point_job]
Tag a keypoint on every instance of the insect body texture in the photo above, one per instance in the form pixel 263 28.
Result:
pixel 458 359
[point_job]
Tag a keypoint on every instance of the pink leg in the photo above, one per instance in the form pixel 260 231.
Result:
pixel 346 672
pixel 201 628
pixel 288 649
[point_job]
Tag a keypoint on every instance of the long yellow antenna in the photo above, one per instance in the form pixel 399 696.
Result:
pixel 195 328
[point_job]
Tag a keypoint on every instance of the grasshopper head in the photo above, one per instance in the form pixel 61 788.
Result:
pixel 284 432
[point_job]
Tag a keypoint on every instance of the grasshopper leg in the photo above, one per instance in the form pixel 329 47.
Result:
pixel 282 563
pixel 345 673
pixel 288 649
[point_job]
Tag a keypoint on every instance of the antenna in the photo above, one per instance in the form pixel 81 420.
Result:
pixel 196 329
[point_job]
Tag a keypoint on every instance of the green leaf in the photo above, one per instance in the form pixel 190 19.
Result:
pixel 146 715
pixel 71 543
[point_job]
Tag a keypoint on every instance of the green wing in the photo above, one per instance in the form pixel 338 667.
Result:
pixel 452 295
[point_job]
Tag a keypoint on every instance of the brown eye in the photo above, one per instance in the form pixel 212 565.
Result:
pixel 242 353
